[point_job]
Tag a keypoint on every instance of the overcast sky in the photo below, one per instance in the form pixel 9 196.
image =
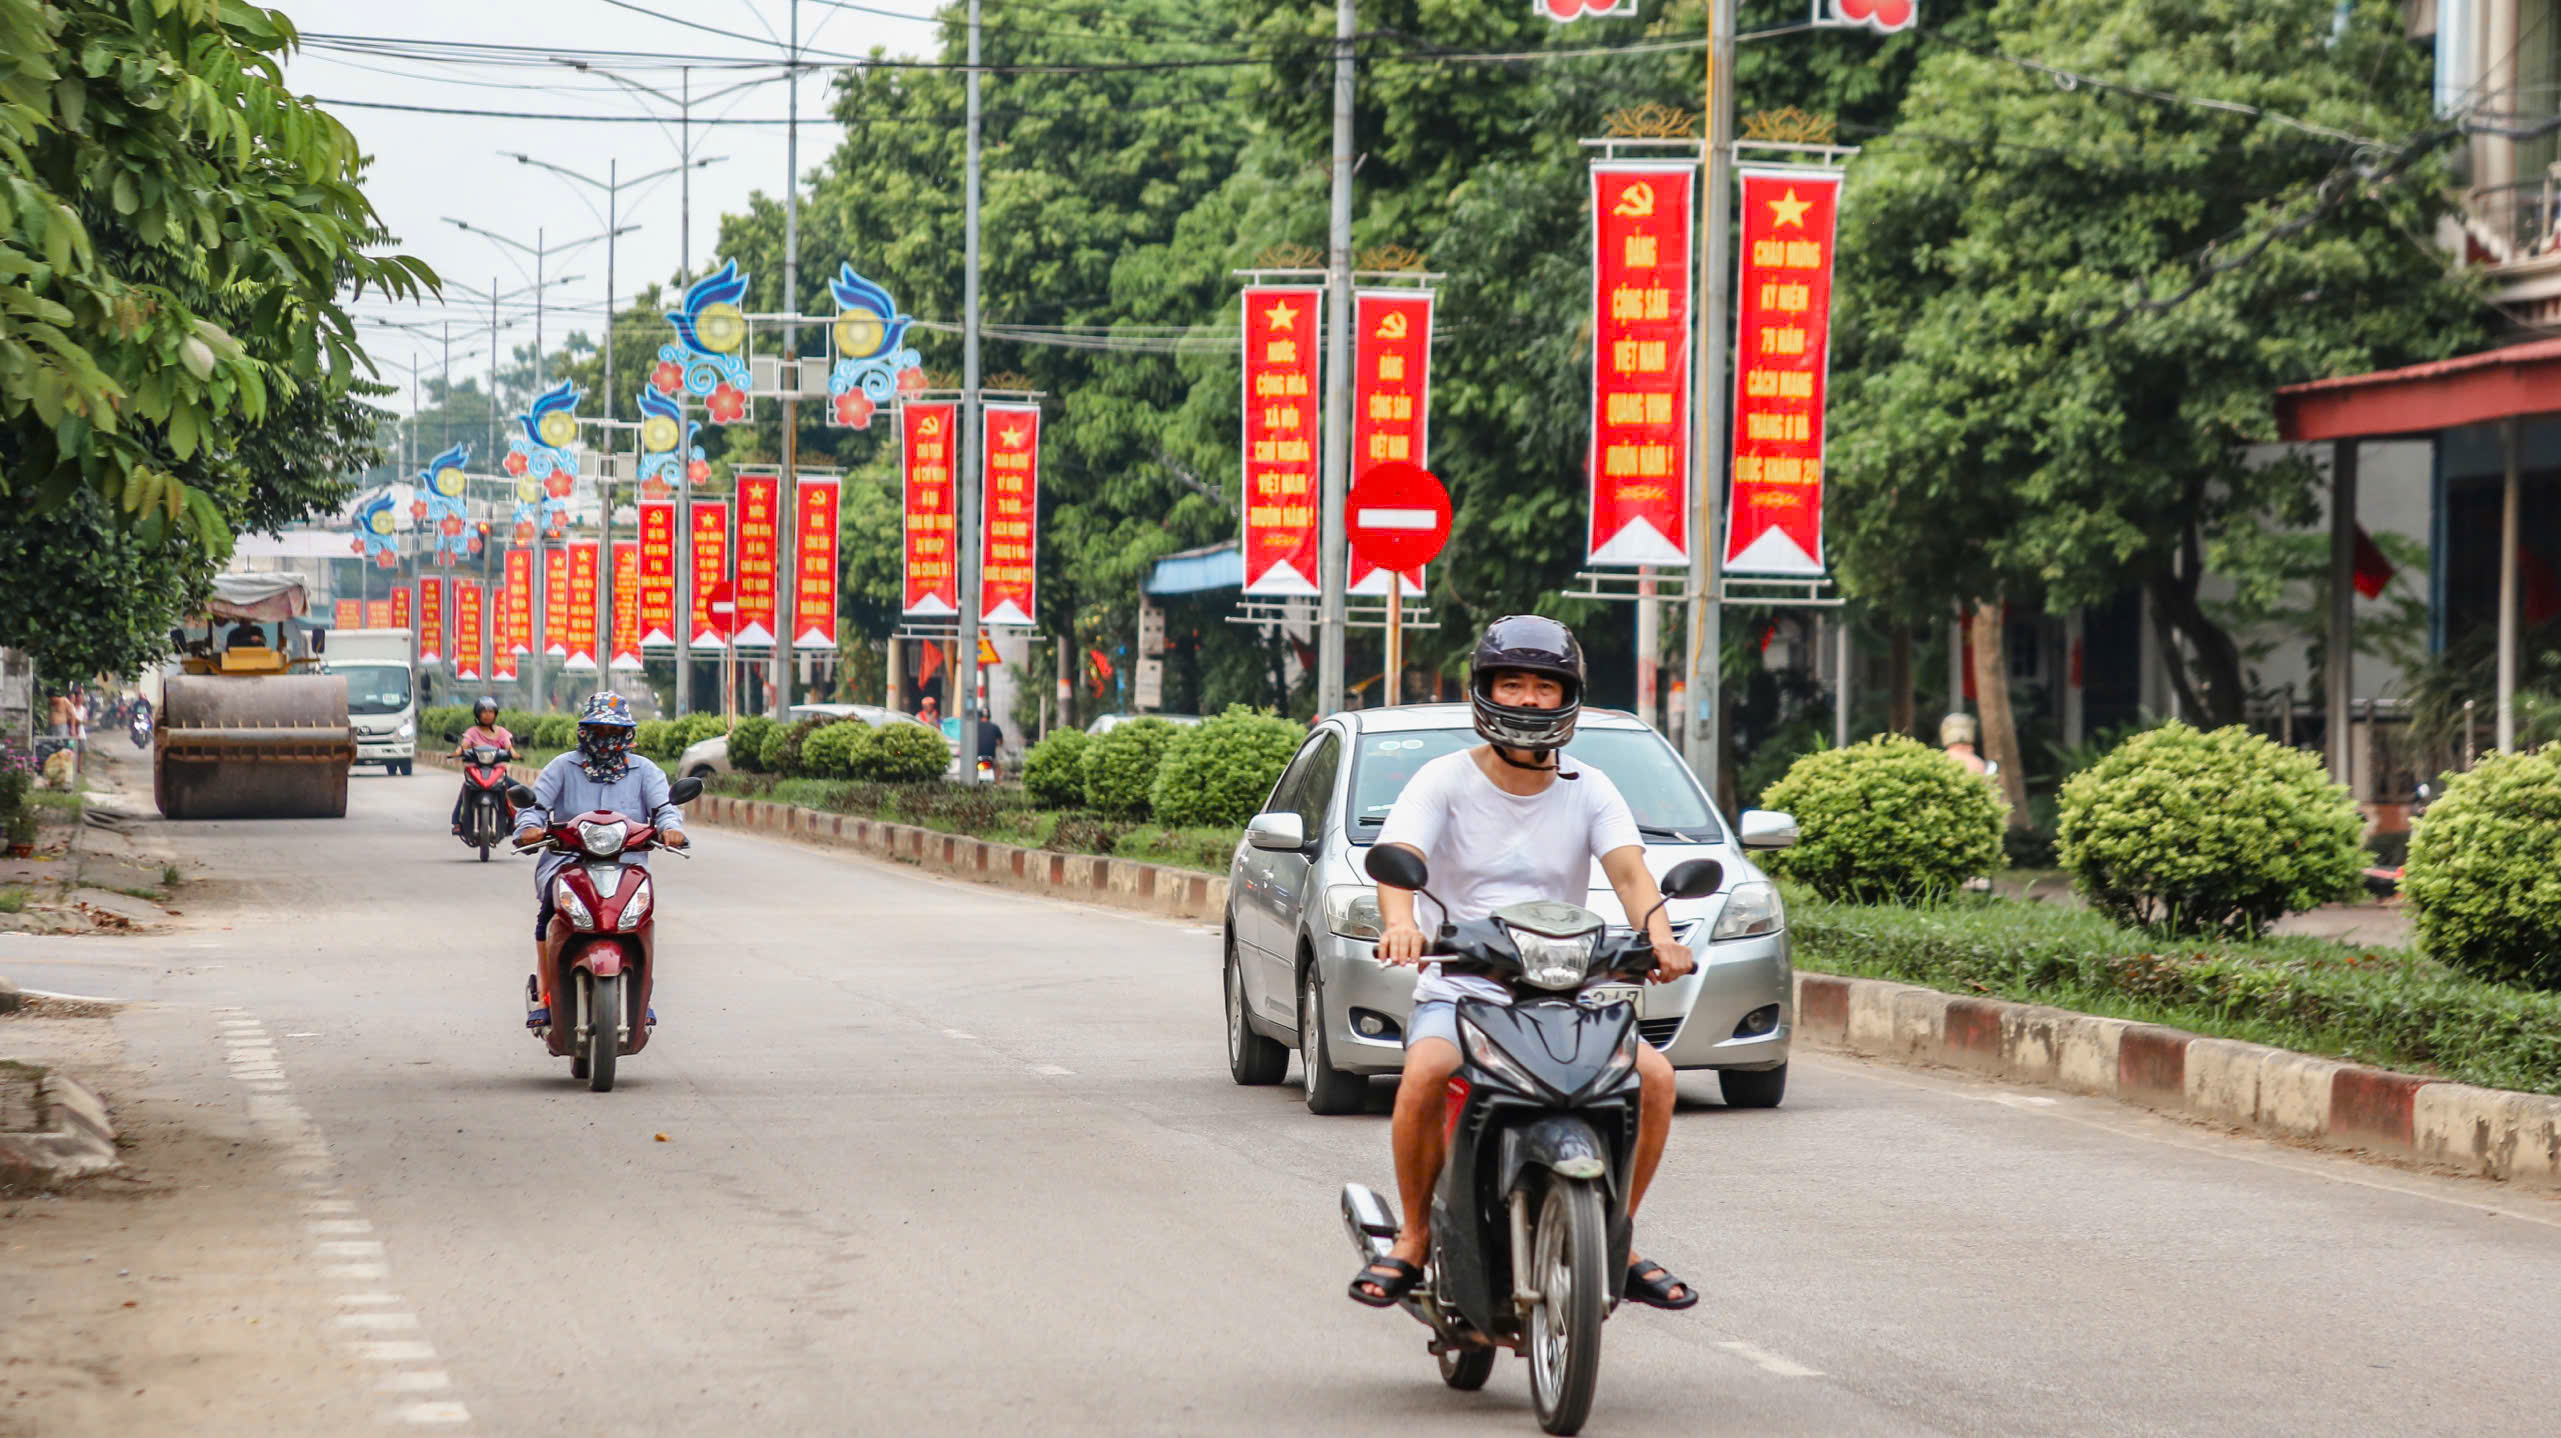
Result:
pixel 427 167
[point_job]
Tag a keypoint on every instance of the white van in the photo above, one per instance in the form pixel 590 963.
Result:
pixel 382 694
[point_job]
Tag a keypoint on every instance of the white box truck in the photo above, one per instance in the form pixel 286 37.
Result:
pixel 382 694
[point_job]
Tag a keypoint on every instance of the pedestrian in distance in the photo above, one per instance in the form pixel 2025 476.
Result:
pixel 1957 736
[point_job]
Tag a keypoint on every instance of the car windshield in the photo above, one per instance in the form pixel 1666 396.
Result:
pixel 1658 788
pixel 376 688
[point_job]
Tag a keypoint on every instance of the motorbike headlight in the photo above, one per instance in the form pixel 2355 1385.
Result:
pixel 636 909
pixel 1483 1053
pixel 566 900
pixel 1351 910
pixel 408 729
pixel 1750 910
pixel 603 839
pixel 1551 963
pixel 1619 1064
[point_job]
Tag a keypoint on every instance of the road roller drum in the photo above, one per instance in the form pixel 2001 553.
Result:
pixel 253 746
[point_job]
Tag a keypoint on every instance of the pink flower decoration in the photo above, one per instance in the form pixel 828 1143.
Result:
pixel 727 405
pixel 667 378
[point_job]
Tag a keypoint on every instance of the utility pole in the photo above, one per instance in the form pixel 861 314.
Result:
pixel 1332 563
pixel 786 539
pixel 1702 744
pixel 962 687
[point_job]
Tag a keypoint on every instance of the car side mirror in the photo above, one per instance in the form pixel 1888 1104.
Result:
pixel 1397 866
pixel 521 796
pixel 1693 879
pixel 1767 829
pixel 320 641
pixel 684 791
pixel 1278 829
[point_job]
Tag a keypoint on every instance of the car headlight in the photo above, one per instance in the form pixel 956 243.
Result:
pixel 635 909
pixel 1482 1052
pixel 1752 909
pixel 408 729
pixel 566 900
pixel 603 839
pixel 1351 910
pixel 1552 963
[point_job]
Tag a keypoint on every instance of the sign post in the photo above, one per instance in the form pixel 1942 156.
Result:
pixel 1398 519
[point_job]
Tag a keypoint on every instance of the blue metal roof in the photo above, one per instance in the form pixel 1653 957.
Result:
pixel 1198 571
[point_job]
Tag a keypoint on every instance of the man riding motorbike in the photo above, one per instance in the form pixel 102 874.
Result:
pixel 1504 823
pixel 485 732
pixel 601 773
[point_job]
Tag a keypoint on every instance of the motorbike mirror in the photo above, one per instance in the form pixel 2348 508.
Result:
pixel 1397 865
pixel 684 791
pixel 1693 879
pixel 177 639
pixel 320 641
pixel 520 796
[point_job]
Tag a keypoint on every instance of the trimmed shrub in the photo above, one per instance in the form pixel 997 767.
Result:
pixel 519 722
pixel 905 754
pixel 1054 769
pixel 1217 771
pixel 832 751
pixel 780 753
pixel 443 723
pixel 2485 871
pixel 1120 767
pixel 1890 819
pixel 556 731
pixel 695 728
pixel 2183 832
pixel 650 740
pixel 747 743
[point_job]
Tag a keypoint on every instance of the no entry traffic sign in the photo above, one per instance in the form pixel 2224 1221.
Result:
pixel 1399 516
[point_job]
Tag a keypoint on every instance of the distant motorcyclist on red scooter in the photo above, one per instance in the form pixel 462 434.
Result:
pixel 601 773
pixel 485 733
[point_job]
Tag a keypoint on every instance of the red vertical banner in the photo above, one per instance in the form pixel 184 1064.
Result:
pixel 347 614
pixel 580 635
pixel 555 602
pixel 656 611
pixel 377 614
pixel 515 605
pixel 1009 559
pixel 709 623
pixel 926 443
pixel 403 608
pixel 1391 398
pixel 431 620
pixel 813 603
pixel 759 543
pixel 468 653
pixel 1782 360
pixel 1281 444
pixel 626 625
pixel 1640 462
pixel 502 635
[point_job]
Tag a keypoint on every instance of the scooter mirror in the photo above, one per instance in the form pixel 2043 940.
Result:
pixel 320 641
pixel 1693 879
pixel 520 796
pixel 1397 865
pixel 684 791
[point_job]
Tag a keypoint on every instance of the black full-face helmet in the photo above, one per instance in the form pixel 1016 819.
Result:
pixel 1533 644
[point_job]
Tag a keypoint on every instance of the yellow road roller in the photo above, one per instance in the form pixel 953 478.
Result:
pixel 243 732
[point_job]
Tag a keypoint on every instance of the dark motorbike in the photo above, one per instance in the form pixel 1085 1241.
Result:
pixel 487 813
pixel 1530 1228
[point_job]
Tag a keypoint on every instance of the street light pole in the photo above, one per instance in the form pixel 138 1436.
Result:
pixel 962 688
pixel 1332 563
pixel 542 251
pixel 1702 741
pixel 786 542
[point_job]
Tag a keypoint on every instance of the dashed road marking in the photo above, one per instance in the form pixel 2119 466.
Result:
pixel 438 1413
pixel 957 1034
pixel 1053 1071
pixel 1767 1361
pixel 415 1380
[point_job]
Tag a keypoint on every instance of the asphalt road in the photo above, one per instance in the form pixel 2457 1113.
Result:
pixel 943 1159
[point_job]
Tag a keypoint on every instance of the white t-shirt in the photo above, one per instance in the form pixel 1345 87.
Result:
pixel 1488 848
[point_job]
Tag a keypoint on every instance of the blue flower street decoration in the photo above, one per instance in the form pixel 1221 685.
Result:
pixel 544 462
pixel 375 526
pixel 440 488
pixel 869 338
pixel 708 359
pixel 668 455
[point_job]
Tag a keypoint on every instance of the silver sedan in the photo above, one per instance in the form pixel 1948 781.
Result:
pixel 1302 916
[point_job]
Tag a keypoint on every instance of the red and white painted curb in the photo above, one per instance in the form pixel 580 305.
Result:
pixel 2250 1087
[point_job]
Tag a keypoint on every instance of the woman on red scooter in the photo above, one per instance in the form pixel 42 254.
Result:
pixel 485 731
pixel 601 773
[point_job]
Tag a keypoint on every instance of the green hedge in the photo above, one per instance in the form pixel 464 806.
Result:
pixel 555 731
pixel 1891 818
pixel 837 751
pixel 747 743
pixel 2484 873
pixel 1217 771
pixel 2389 1008
pixel 1054 769
pixel 780 752
pixel 906 754
pixel 1120 767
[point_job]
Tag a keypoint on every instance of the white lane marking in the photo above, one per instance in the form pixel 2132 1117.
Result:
pixel 339 1225
pixel 367 1300
pixel 1769 1362
pixel 2021 1100
pixel 422 1380
pixel 437 1413
pixel 329 1205
pixel 957 1034
pixel 305 1034
pixel 394 1350
pixel 355 1272
pixel 1053 1071
pixel 378 1322
pixel 348 1248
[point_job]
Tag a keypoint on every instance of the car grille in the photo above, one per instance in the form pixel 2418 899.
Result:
pixel 1658 1032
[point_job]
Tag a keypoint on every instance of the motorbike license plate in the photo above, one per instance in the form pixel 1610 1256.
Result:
pixel 1601 996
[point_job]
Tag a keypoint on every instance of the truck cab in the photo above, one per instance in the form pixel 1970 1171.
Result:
pixel 382 694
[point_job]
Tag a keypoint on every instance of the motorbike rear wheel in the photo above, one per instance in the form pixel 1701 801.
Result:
pixel 1466 1369
pixel 604 1031
pixel 1565 1328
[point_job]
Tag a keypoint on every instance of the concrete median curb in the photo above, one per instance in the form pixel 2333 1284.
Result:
pixel 76 1142
pixel 2514 1137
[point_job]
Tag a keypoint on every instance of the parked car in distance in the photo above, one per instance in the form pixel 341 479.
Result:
pixel 1106 723
pixel 707 757
pixel 1302 918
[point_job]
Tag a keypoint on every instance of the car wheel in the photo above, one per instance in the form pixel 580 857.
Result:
pixel 1329 1089
pixel 1252 1058
pixel 1753 1088
pixel 701 771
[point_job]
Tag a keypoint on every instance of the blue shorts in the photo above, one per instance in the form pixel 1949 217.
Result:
pixel 1437 1019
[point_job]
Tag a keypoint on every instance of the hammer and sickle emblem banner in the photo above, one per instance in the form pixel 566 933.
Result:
pixel 1642 278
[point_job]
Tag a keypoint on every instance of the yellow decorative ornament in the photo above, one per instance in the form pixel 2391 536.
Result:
pixel 528 490
pixel 559 429
pixel 381 522
pixel 721 328
pixel 859 333
pixel 449 481
pixel 658 434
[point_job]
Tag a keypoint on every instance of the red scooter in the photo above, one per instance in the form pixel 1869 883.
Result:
pixel 599 956
pixel 487 816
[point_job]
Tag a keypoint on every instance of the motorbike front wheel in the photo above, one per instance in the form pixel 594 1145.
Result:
pixel 604 1031
pixel 484 853
pixel 1573 1297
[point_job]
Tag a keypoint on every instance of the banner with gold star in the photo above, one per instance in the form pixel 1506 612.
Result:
pixel 1009 561
pixel 1281 429
pixel 431 621
pixel 1782 355
pixel 467 647
pixel 759 550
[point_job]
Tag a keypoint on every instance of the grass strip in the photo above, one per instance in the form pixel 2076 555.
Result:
pixel 2392 1008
